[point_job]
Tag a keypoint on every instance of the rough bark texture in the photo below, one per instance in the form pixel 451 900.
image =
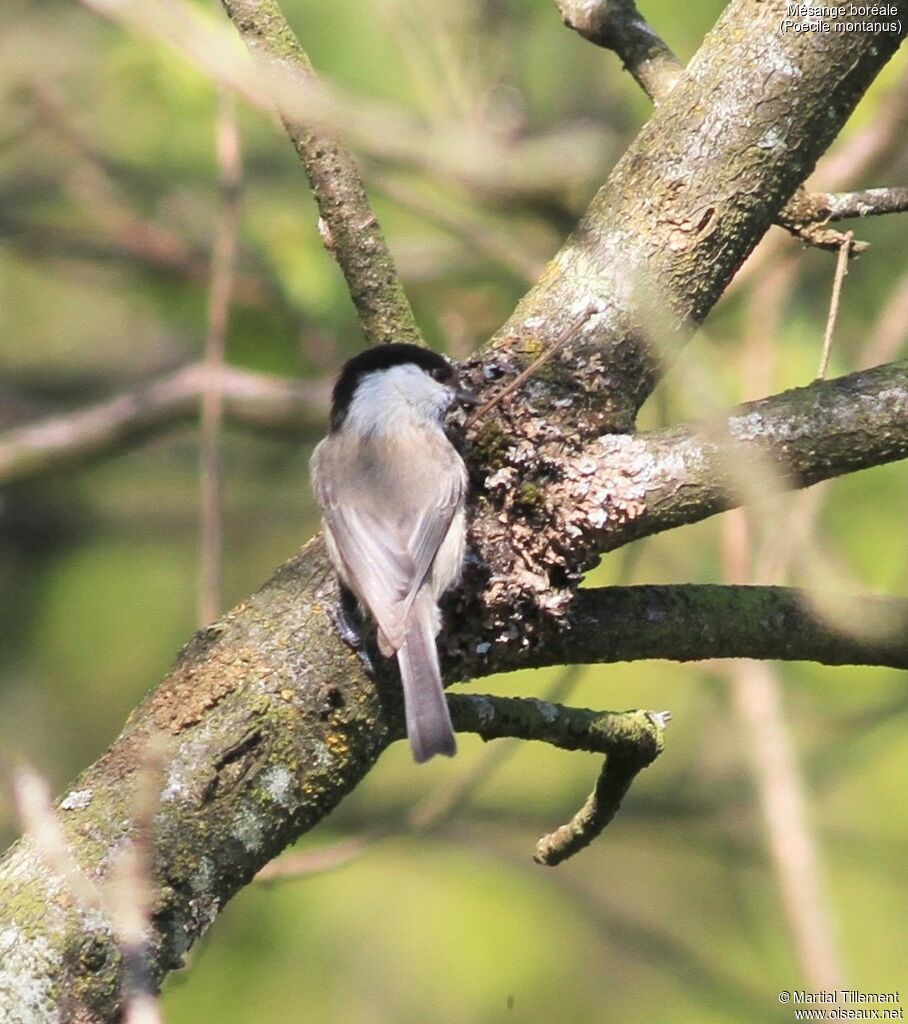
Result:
pixel 548 507
pixel 268 720
pixel 686 203
pixel 693 622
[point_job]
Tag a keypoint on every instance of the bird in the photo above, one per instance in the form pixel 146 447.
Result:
pixel 392 489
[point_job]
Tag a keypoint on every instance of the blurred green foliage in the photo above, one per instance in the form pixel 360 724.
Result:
pixel 674 915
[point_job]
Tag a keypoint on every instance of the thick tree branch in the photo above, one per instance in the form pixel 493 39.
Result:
pixel 617 25
pixel 693 622
pixel 685 205
pixel 351 231
pixel 790 440
pixel 253 399
pixel 548 513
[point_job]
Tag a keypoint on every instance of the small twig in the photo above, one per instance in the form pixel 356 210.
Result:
pixel 590 310
pixel 870 202
pixel 807 214
pixel 818 235
pixel 601 806
pixel 841 270
pixel 631 740
pixel 617 25
pixel 805 209
pixel 223 267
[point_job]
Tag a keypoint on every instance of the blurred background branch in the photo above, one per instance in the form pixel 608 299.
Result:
pixel 220 293
pixel 254 400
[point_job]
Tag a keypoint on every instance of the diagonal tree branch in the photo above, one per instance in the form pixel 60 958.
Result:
pixel 351 231
pixel 617 25
pixel 684 206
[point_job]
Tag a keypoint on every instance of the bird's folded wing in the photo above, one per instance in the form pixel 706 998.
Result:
pixel 389 560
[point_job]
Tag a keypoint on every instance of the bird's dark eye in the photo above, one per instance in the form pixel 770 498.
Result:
pixel 441 374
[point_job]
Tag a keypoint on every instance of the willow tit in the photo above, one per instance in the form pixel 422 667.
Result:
pixel 392 490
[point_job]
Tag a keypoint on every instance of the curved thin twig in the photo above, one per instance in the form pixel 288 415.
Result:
pixel 630 740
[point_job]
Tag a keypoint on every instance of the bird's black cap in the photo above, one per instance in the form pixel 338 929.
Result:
pixel 383 357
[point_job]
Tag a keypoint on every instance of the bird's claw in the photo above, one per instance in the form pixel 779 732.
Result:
pixel 346 623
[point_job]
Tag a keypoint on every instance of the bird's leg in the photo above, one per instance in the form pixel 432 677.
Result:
pixel 348 621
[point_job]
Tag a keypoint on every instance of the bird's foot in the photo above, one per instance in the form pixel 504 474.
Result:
pixel 348 624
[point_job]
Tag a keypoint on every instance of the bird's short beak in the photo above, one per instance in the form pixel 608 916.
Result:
pixel 466 397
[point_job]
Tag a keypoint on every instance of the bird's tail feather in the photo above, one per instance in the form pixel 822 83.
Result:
pixel 428 719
